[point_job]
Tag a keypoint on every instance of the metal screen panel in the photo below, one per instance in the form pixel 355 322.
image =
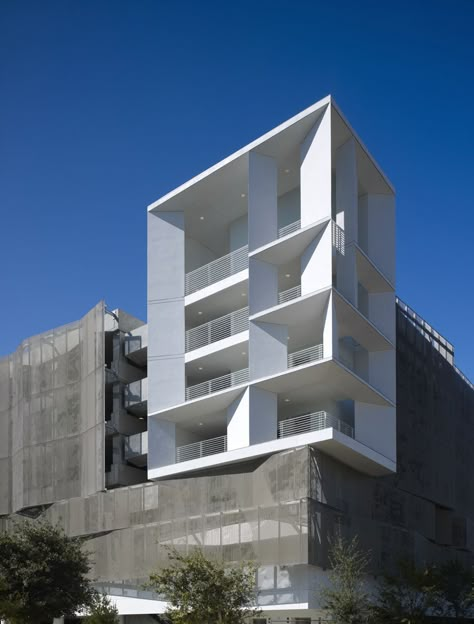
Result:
pixel 52 416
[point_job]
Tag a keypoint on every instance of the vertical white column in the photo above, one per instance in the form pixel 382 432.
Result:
pixel 166 368
pixel 315 172
pixel 380 211
pixel 268 349
pixel 252 418
pixel 347 190
pixel 262 200
pixel 316 262
pixel 263 285
pixel 165 310
pixel 330 330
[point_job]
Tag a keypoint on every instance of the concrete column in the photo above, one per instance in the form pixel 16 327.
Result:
pixel 316 263
pixel 268 349
pixel 347 190
pixel 330 331
pixel 166 328
pixel 252 418
pixel 379 220
pixel 346 274
pixel 315 173
pixel 263 285
pixel 262 200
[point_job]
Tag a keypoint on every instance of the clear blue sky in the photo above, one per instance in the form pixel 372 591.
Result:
pixel 105 105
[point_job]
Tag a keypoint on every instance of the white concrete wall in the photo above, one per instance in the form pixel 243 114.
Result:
pixel 346 274
pixel 382 313
pixel 238 233
pixel 330 331
pixel 316 263
pixel 382 372
pixel 263 285
pixel 197 254
pixel 315 172
pixel 252 418
pixel 161 443
pixel 268 349
pixel 262 200
pixel 346 190
pixel 289 208
pixel 380 211
pixel 165 310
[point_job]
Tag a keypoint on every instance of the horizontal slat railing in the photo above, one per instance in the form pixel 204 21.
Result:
pixel 338 238
pixel 312 422
pixel 288 295
pixel 217 270
pixel 217 329
pixel 289 229
pixel 201 449
pixel 304 356
pixel 218 383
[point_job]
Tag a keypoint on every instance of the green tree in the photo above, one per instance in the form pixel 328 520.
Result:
pixel 42 574
pixel 408 596
pixel 102 611
pixel 201 591
pixel 455 590
pixel 346 598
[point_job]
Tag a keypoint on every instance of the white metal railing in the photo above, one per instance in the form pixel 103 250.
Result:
pixel 218 383
pixel 217 270
pixel 288 295
pixel 312 422
pixel 201 449
pixel 310 354
pixel 217 329
pixel 338 238
pixel 289 229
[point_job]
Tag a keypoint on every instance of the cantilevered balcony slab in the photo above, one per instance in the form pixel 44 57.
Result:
pixel 218 288
pixel 334 443
pixel 351 322
pixel 328 378
pixel 370 276
pixel 287 248
pixel 296 311
pixel 228 352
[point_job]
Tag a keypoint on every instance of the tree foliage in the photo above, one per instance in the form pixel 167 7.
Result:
pixel 201 591
pixel 42 574
pixel 454 590
pixel 346 598
pixel 408 596
pixel 102 611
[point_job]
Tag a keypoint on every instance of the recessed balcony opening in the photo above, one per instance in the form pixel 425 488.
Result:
pixel 216 329
pixel 206 435
pixel 354 356
pixel 289 206
pixel 309 410
pixel 289 281
pixel 305 341
pixel 222 370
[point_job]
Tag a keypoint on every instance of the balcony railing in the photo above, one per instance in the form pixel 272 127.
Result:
pixel 288 295
pixel 338 238
pixel 217 270
pixel 201 449
pixel 312 422
pixel 310 354
pixel 289 229
pixel 218 383
pixel 217 329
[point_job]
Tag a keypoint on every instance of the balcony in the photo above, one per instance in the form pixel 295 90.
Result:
pixel 217 270
pixel 201 449
pixel 218 383
pixel 288 295
pixel 217 329
pixel 312 422
pixel 135 397
pixel 289 229
pixel 136 448
pixel 305 356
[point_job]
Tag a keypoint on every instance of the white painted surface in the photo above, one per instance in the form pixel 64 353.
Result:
pixel 347 189
pixel 238 233
pixel 375 426
pixel 268 349
pixel 262 200
pixel 315 172
pixel 263 285
pixel 316 262
pixel 238 422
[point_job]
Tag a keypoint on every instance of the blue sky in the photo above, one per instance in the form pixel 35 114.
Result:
pixel 105 105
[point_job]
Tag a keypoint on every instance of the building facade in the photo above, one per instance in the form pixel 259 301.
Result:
pixel 278 393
